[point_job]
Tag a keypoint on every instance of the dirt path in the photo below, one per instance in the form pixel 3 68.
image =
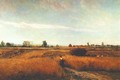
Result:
pixel 84 75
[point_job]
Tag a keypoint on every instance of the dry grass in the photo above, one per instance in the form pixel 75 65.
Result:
pixel 29 69
pixel 31 66
pixel 32 54
pixel 41 53
pixel 4 50
pixel 93 63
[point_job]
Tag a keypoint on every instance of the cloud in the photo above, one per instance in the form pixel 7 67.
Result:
pixel 89 4
pixel 32 5
pixel 25 25
pixel 6 5
pixel 92 4
pixel 57 5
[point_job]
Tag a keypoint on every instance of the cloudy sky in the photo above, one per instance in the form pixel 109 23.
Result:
pixel 60 21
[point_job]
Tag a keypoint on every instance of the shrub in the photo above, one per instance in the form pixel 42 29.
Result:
pixel 70 45
pixel 78 52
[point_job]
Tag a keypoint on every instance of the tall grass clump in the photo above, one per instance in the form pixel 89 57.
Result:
pixel 93 63
pixel 30 69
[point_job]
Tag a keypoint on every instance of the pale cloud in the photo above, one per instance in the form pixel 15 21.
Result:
pixel 14 5
pixel 92 4
pixel 25 25
pixel 7 5
pixel 54 4
pixel 89 4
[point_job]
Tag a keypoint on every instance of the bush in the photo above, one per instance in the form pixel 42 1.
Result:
pixel 70 45
pixel 78 52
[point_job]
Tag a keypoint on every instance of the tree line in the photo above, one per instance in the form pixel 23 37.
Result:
pixel 25 44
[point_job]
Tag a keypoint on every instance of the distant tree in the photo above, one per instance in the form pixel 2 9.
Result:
pixel 102 44
pixel 44 44
pixel 26 44
pixel 74 46
pixel 2 44
pixel 116 48
pixel 70 45
pixel 88 44
pixel 51 46
pixel 57 45
pixel 9 44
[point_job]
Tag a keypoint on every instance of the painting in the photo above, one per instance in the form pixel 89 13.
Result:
pixel 59 39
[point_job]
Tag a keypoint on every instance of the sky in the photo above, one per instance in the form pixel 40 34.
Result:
pixel 60 21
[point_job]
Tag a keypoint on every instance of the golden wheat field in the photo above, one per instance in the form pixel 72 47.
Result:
pixel 44 64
